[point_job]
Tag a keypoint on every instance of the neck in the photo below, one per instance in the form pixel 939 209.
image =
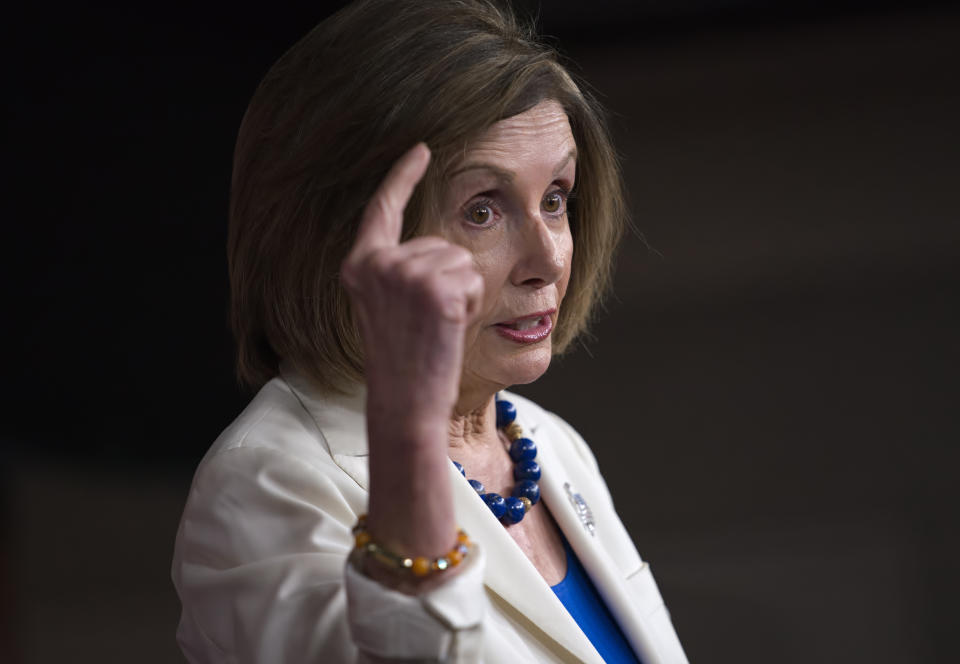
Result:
pixel 474 425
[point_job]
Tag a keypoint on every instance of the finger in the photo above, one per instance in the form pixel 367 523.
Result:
pixel 436 260
pixel 389 261
pixel 419 245
pixel 468 283
pixel 474 287
pixel 426 245
pixel 382 221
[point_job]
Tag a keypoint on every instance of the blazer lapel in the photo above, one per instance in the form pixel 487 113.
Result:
pixel 558 489
pixel 512 576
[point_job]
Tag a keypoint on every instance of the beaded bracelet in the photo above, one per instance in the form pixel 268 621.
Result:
pixel 419 565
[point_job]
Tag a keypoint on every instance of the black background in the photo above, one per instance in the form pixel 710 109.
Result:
pixel 771 394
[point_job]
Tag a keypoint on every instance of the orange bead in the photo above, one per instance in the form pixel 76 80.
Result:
pixel 462 538
pixel 362 539
pixel 455 557
pixel 421 566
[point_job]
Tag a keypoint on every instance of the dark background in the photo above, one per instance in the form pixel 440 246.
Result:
pixel 771 393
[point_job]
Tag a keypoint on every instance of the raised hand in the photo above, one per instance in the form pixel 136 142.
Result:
pixel 413 302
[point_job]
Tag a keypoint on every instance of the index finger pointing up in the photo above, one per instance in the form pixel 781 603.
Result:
pixel 382 221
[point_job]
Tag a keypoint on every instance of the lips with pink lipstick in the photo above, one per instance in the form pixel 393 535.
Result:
pixel 527 329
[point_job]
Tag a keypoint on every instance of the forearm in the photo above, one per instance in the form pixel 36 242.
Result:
pixel 411 505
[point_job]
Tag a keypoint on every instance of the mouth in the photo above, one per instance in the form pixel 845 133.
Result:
pixel 527 329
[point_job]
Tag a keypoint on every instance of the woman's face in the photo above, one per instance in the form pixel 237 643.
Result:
pixel 506 201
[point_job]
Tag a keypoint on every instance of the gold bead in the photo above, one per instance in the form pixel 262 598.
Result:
pixel 362 539
pixel 421 566
pixel 514 431
pixel 527 505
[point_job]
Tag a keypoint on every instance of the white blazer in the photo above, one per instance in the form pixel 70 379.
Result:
pixel 260 557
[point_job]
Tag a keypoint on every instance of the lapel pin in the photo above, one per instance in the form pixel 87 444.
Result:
pixel 581 508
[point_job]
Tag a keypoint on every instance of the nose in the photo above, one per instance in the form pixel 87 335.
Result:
pixel 542 251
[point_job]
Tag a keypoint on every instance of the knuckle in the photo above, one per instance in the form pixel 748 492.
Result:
pixel 476 283
pixel 444 296
pixel 380 263
pixel 410 273
pixel 462 253
pixel 433 286
pixel 454 307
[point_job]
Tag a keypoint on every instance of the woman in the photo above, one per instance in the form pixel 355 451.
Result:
pixel 384 293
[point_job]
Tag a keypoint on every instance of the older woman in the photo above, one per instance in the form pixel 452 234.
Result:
pixel 404 245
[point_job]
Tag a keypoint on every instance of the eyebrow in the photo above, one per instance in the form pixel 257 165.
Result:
pixel 505 174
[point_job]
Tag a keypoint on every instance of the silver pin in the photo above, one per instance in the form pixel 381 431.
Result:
pixel 581 508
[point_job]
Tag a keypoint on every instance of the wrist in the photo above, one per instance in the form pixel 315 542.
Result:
pixel 410 407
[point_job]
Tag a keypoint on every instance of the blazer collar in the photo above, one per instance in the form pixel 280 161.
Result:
pixel 510 575
pixel 341 418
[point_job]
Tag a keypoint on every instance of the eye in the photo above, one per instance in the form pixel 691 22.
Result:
pixel 553 202
pixel 480 213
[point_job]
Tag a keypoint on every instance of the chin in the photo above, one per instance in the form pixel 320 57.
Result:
pixel 493 361
pixel 526 366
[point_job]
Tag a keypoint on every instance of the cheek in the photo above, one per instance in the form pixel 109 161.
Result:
pixel 486 259
pixel 494 269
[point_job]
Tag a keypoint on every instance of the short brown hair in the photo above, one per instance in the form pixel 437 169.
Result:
pixel 327 122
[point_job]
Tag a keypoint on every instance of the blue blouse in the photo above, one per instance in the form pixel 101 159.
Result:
pixel 578 594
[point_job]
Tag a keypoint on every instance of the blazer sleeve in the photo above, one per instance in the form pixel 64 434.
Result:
pixel 260 565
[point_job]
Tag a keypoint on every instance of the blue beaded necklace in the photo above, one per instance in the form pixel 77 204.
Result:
pixel 526 470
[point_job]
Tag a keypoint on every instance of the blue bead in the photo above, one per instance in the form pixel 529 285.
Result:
pixel 523 449
pixel 496 503
pixel 527 489
pixel 506 413
pixel 460 468
pixel 477 486
pixel 514 511
pixel 526 470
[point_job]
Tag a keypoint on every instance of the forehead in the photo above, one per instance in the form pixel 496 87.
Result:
pixel 539 134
